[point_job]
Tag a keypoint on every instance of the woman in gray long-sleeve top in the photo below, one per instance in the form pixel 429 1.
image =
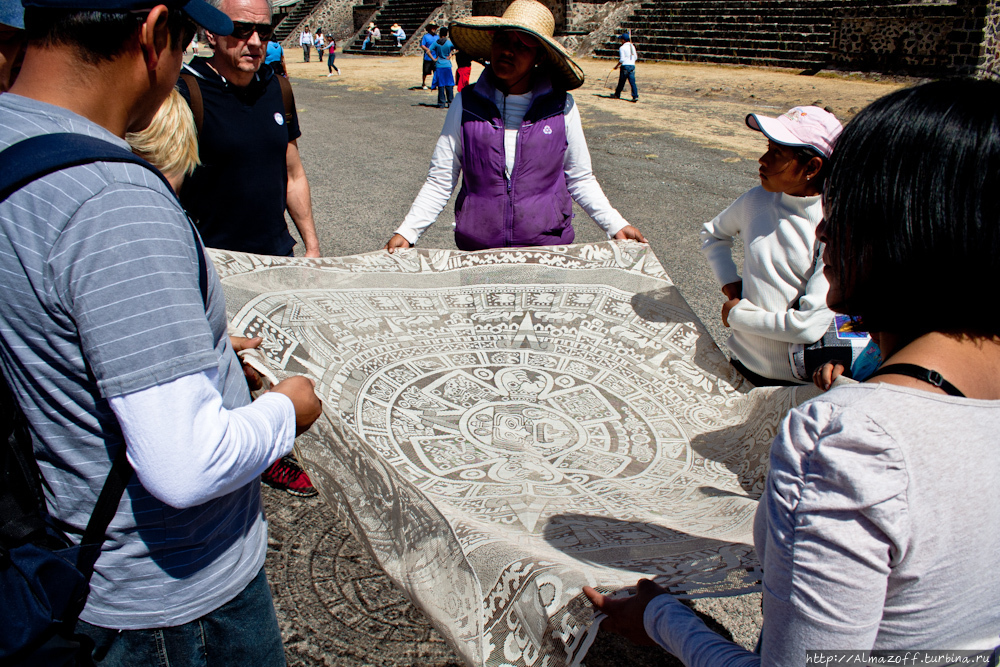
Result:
pixel 879 527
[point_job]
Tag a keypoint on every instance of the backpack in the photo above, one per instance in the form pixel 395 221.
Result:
pixel 44 579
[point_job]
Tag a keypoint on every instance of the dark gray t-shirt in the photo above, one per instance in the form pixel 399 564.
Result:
pixel 99 272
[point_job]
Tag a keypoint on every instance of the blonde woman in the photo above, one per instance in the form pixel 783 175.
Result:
pixel 170 143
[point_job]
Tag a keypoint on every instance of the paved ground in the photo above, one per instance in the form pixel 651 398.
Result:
pixel 668 164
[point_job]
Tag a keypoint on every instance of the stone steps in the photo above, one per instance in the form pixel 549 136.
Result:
pixel 409 14
pixel 780 33
pixel 749 57
pixel 710 38
pixel 291 22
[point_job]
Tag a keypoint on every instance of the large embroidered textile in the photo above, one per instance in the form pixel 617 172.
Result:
pixel 503 427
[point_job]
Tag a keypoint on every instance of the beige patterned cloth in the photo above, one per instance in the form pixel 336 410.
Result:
pixel 503 427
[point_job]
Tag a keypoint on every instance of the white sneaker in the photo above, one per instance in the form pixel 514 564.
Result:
pixel 426 88
pixel 329 75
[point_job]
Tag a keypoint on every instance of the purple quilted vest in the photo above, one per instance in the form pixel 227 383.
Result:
pixel 534 207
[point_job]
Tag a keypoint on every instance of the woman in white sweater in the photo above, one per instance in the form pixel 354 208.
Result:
pixel 516 139
pixel 781 298
pixel 879 525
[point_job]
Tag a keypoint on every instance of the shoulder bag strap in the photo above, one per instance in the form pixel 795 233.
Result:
pixel 287 98
pixel 197 104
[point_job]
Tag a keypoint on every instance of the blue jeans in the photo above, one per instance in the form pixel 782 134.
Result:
pixel 240 633
pixel 627 74
pixel 445 95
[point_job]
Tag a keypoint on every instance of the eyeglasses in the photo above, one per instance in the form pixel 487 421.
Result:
pixel 243 30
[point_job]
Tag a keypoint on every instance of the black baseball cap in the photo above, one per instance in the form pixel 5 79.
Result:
pixel 202 13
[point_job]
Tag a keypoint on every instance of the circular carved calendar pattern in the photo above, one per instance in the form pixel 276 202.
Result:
pixel 501 428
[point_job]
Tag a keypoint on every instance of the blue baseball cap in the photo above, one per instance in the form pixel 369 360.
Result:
pixel 202 13
pixel 12 14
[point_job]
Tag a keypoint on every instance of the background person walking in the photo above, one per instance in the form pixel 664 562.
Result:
pixel 331 56
pixel 319 41
pixel 626 63
pixel 305 41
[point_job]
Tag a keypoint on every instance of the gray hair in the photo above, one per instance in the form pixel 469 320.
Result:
pixel 218 5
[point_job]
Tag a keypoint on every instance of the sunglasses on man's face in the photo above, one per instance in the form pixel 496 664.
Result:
pixel 243 30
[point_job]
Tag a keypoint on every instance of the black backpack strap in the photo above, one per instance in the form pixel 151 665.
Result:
pixel 27 161
pixel 37 156
pixel 104 512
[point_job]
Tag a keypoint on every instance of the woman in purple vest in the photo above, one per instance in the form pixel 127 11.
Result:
pixel 517 139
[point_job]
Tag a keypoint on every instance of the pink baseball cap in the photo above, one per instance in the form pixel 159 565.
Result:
pixel 809 127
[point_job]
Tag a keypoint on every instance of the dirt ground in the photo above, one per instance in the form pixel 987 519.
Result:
pixel 702 103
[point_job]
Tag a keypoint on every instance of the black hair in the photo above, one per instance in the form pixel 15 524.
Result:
pixel 803 154
pixel 442 32
pixel 913 213
pixel 98 36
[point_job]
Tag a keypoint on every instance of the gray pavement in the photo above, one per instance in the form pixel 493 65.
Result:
pixel 366 154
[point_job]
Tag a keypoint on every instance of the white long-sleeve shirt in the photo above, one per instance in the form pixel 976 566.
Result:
pixel 627 54
pixel 779 267
pixel 446 165
pixel 187 449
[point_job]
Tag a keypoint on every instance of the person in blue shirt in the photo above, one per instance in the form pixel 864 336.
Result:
pixel 441 52
pixel 275 57
pixel 425 44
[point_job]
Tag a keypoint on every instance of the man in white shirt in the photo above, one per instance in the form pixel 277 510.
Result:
pixel 626 61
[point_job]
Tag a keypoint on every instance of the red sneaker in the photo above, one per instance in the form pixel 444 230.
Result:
pixel 287 474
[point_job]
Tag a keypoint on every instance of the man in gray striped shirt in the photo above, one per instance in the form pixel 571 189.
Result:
pixel 105 339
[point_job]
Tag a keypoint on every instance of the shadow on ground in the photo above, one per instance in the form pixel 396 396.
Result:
pixel 336 607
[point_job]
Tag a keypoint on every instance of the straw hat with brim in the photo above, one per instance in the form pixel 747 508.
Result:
pixel 474 37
